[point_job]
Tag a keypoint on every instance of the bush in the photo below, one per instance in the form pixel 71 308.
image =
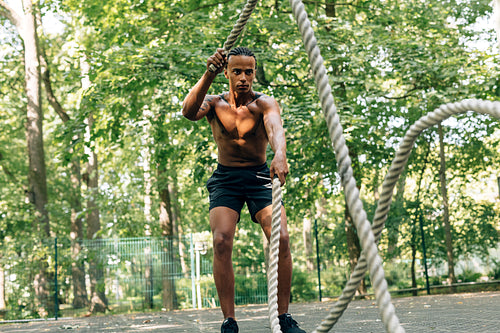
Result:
pixel 304 286
pixel 435 281
pixel 495 270
pixel 395 274
pixel 251 289
pixel 333 281
pixel 469 276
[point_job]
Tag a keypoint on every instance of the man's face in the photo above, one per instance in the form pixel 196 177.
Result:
pixel 240 72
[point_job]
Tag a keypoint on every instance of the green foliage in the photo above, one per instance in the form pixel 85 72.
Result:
pixel 469 275
pixel 303 287
pixel 389 64
pixel 396 274
pixel 334 280
pixel 250 289
pixel 495 270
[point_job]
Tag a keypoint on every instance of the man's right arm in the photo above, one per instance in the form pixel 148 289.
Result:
pixel 197 104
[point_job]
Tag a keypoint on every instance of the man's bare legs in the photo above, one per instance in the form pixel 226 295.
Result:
pixel 264 216
pixel 223 224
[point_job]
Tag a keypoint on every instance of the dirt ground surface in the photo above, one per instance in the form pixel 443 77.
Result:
pixel 478 312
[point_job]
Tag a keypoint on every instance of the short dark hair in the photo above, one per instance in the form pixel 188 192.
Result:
pixel 242 51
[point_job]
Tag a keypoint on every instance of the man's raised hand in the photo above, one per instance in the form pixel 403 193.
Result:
pixel 217 61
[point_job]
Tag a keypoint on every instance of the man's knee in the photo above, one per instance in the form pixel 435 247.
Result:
pixel 223 244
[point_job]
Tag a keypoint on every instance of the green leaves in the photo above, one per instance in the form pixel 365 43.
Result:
pixel 389 63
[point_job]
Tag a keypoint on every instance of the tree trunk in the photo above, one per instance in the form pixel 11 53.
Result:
pixel 353 245
pixel 330 8
pixel 176 218
pixel 80 298
pixel 321 216
pixel 446 214
pixel 148 185
pixel 308 246
pixel 2 290
pixel 98 301
pixel 393 232
pixel 413 246
pixel 37 177
pixel 34 128
pixel 169 296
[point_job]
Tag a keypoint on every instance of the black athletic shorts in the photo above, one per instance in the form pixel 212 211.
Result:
pixel 233 186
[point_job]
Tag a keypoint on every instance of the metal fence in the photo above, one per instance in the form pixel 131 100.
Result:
pixel 38 280
pixel 59 278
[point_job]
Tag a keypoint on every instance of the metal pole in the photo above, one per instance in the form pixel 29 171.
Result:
pixel 56 303
pixel 317 257
pixel 424 252
pixel 198 282
pixel 498 181
pixel 193 284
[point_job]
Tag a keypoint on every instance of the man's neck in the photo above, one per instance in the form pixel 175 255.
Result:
pixel 239 99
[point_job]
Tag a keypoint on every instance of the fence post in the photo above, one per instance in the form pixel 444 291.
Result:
pixel 193 283
pixel 424 252
pixel 318 267
pixel 56 302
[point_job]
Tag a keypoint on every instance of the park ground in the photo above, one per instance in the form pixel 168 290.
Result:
pixel 467 312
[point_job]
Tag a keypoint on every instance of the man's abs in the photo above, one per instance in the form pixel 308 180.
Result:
pixel 241 152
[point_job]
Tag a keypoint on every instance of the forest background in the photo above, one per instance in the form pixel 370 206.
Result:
pixel 93 144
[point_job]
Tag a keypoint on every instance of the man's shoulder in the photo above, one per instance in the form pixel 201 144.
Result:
pixel 264 101
pixel 213 101
pixel 261 98
pixel 214 98
pixel 258 95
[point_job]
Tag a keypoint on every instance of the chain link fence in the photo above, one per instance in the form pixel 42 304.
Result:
pixel 60 278
pixel 63 278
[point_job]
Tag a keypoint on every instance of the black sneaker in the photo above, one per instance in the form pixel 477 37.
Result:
pixel 288 325
pixel 229 326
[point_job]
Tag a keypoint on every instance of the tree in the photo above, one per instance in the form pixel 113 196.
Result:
pixel 80 298
pixel 446 212
pixel 98 300
pixel 37 179
pixel 37 192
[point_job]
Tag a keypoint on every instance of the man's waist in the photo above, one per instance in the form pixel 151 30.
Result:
pixel 250 167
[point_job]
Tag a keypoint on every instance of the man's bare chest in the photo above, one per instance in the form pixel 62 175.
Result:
pixel 237 123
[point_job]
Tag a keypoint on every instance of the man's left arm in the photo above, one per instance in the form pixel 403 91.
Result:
pixel 276 136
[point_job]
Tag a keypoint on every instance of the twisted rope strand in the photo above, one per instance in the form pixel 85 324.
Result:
pixel 397 167
pixel 354 203
pixel 403 153
pixel 238 27
pixel 240 24
pixel 272 272
pixel 369 235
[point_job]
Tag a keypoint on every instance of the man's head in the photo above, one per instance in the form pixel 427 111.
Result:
pixel 242 51
pixel 240 69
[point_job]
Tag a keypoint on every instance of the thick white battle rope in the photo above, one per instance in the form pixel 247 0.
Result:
pixel 238 27
pixel 369 235
pixel 384 203
pixel 354 203
pixel 272 271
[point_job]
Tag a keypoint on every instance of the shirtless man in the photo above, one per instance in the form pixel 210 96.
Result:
pixel 243 123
